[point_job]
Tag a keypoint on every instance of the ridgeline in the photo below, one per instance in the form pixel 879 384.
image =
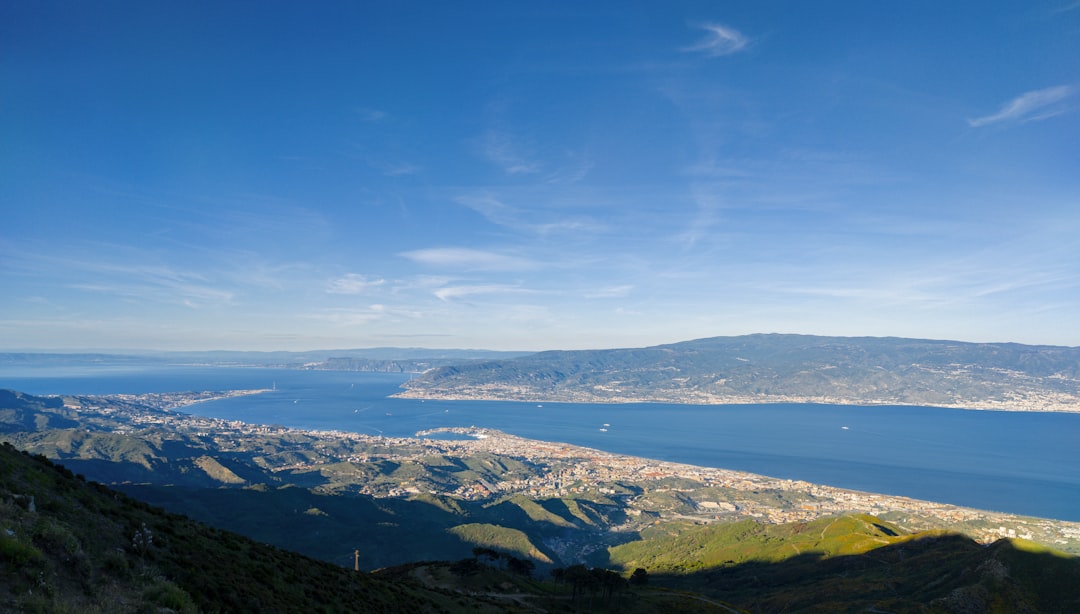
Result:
pixel 778 369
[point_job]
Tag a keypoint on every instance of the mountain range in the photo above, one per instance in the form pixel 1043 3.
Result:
pixel 771 368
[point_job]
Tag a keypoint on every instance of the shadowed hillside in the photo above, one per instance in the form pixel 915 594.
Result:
pixel 946 573
pixel 67 545
pixel 853 563
pixel 845 564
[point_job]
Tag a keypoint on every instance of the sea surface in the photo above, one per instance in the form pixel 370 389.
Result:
pixel 1017 462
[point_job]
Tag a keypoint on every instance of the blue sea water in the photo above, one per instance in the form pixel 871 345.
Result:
pixel 1023 463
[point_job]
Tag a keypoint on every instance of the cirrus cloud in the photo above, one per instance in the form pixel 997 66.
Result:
pixel 1030 106
pixel 720 40
pixel 468 258
pixel 452 292
pixel 353 283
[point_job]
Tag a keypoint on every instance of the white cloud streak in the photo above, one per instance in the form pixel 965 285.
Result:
pixel 721 40
pixel 452 292
pixel 1029 106
pixel 503 151
pixel 1068 7
pixel 469 259
pixel 522 220
pixel 610 292
pixel 371 115
pixel 353 283
pixel 397 169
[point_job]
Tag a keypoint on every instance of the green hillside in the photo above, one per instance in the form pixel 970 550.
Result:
pixel 512 541
pixel 67 545
pixel 852 564
pixel 684 548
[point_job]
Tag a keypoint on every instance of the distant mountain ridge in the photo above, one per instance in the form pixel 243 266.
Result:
pixel 770 368
pixel 379 359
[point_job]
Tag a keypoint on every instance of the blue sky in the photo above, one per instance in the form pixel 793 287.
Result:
pixel 511 175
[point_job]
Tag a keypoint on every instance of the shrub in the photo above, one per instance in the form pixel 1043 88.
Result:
pixel 18 552
pixel 116 564
pixel 55 538
pixel 165 594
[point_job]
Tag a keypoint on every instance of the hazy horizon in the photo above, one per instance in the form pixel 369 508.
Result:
pixel 414 348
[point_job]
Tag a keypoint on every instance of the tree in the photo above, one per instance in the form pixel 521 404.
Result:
pixel 640 577
pixel 466 567
pixel 488 553
pixel 578 577
pixel 607 581
pixel 522 567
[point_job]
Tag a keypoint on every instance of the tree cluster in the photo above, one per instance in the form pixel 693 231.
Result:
pixel 586 581
pixel 505 560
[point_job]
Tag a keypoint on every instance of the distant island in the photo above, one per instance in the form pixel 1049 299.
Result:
pixel 775 368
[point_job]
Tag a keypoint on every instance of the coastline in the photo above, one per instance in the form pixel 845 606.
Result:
pixel 167 401
pixel 806 501
pixel 649 490
pixel 1071 406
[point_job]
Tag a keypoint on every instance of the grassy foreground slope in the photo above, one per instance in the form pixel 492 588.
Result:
pixel 67 545
pixel 853 563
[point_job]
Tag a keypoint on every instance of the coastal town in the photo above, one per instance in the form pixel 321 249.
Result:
pixel 649 491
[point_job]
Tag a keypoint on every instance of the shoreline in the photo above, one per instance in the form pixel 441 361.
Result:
pixel 610 467
pixel 168 401
pixel 713 494
pixel 1048 408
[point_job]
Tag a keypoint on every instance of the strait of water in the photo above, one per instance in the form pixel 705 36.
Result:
pixel 1018 462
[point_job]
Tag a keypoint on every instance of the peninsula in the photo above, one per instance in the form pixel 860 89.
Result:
pixel 777 369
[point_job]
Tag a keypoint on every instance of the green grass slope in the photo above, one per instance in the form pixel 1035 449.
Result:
pixel 852 563
pixel 502 538
pixel 684 547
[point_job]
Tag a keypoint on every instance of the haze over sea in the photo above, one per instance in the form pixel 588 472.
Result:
pixel 1018 462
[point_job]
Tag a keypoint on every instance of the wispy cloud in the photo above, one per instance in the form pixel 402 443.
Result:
pixel 452 292
pixel 493 209
pixel 704 222
pixel 158 283
pixel 1072 6
pixel 505 152
pixel 577 168
pixel 467 258
pixel 350 317
pixel 713 169
pixel 399 169
pixel 610 292
pixel 537 221
pixel 1029 106
pixel 162 290
pixel 372 115
pixel 353 283
pixel 720 40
